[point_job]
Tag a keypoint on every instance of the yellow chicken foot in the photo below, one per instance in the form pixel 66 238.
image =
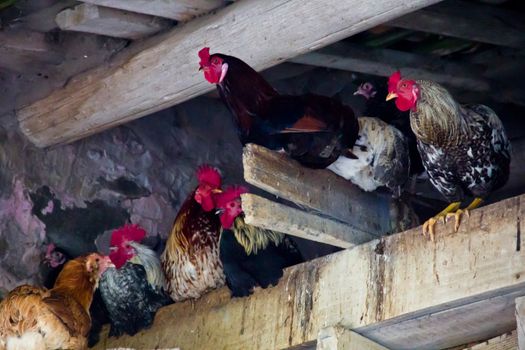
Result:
pixel 457 215
pixel 428 226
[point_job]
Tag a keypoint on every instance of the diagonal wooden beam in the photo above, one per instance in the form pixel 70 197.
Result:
pixel 384 62
pixel 469 20
pixel 402 292
pixel 180 10
pixel 164 73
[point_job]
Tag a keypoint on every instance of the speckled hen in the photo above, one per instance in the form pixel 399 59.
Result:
pixel 464 148
pixel 191 257
pixel 382 157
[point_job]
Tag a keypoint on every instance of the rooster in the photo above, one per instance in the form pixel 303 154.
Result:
pixel 133 290
pixel 314 130
pixel 464 148
pixel 382 159
pixel 250 255
pixel 191 257
pixel 56 318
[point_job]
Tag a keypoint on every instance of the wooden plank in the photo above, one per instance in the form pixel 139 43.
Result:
pixel 323 191
pixel 281 218
pixel 110 22
pixel 386 282
pixel 164 72
pixel 469 20
pixel 384 62
pixel 43 20
pixel 520 322
pixel 339 338
pixel 507 341
pixel 180 10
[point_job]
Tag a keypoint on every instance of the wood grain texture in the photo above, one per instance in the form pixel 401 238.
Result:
pixel 180 10
pixel 162 72
pixel 339 338
pixel 520 322
pixel 106 21
pixel 264 213
pixel 324 192
pixel 469 20
pixel 382 283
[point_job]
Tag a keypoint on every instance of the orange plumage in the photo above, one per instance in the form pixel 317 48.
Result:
pixel 58 318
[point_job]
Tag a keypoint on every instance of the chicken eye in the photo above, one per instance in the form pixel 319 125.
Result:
pixel 404 85
pixel 215 60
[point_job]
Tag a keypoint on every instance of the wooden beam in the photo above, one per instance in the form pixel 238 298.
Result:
pixel 457 288
pixel 468 20
pixel 110 22
pixel 180 10
pixel 164 73
pixel 384 62
pixel 281 218
pixel 520 322
pixel 43 20
pixel 324 192
pixel 339 338
pixel 507 341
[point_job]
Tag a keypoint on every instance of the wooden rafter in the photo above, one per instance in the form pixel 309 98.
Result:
pixel 469 20
pixel 403 292
pixel 180 10
pixel 264 33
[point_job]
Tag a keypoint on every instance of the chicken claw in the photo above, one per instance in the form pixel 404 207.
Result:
pixel 428 226
pixel 457 217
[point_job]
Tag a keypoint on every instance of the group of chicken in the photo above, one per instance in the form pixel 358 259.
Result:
pixel 209 245
pixel 463 148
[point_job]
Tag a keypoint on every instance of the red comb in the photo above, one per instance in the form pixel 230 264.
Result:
pixel 204 55
pixel 127 233
pixel 393 80
pixel 228 195
pixel 206 174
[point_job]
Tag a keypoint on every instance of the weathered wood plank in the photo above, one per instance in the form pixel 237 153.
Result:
pixel 264 213
pixel 323 191
pixel 339 338
pixel 520 322
pixel 384 282
pixel 507 341
pixel 384 62
pixel 180 10
pixel 164 73
pixel 469 20
pixel 110 22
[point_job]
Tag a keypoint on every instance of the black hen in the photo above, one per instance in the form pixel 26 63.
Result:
pixel 251 256
pixel 315 130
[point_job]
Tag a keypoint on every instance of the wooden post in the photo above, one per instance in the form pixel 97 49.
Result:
pixel 162 72
pixel 339 338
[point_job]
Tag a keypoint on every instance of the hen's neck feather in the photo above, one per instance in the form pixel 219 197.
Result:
pixel 151 263
pixel 253 238
pixel 75 281
pixel 437 119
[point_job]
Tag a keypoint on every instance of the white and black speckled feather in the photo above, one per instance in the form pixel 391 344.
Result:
pixel 383 158
pixel 473 157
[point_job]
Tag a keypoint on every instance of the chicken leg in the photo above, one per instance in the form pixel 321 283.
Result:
pixel 428 226
pixel 457 214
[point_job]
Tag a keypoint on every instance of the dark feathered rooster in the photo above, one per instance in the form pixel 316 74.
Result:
pixel 377 107
pixel 251 256
pixel 315 130
pixel 464 148
pixel 381 158
pixel 132 290
pixel 191 257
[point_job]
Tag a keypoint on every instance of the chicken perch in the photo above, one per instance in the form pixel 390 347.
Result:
pixel 464 148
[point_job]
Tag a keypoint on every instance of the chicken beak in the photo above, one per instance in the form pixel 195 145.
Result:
pixel 390 96
pixel 216 190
